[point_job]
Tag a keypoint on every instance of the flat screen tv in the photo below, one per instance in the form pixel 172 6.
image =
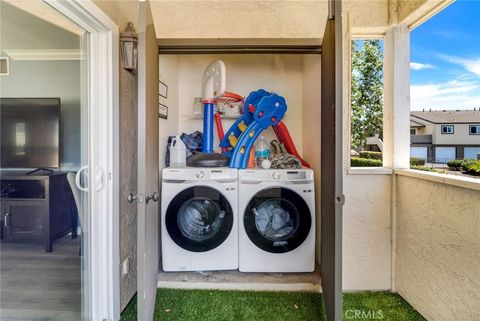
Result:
pixel 30 132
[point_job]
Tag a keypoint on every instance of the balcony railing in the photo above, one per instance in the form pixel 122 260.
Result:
pixel 421 139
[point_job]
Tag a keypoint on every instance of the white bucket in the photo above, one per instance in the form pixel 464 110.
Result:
pixel 178 153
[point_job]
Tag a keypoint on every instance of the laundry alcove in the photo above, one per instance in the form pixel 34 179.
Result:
pixel 292 72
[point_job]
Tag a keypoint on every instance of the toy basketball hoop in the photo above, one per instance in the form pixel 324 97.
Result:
pixel 229 104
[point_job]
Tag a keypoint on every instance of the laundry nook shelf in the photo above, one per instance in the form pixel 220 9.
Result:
pixel 224 116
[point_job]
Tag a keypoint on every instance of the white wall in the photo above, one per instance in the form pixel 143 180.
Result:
pixel 282 74
pixel 312 129
pixel 169 74
pixel 438 248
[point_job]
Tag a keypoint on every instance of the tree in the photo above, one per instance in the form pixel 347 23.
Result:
pixel 367 91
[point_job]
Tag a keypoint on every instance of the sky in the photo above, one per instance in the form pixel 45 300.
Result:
pixel 445 59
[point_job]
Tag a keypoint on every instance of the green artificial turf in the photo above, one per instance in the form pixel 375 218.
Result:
pixel 207 305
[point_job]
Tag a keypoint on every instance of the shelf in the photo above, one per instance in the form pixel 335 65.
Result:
pixel 226 116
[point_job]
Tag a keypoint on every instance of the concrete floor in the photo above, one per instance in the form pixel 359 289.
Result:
pixel 35 285
pixel 235 280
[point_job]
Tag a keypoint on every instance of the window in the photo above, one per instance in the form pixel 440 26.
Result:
pixel 413 131
pixel 474 129
pixel 447 129
pixel 366 131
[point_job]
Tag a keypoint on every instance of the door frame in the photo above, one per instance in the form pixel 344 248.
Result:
pixel 101 264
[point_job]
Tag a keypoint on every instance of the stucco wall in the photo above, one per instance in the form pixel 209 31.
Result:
pixel 438 249
pixel 128 117
pixel 239 19
pixel 367 17
pixel 120 12
pixel 262 19
pixel 367 232
pixel 406 7
pixel 273 19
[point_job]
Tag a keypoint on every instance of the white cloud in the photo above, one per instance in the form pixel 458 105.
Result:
pixel 455 94
pixel 472 65
pixel 420 66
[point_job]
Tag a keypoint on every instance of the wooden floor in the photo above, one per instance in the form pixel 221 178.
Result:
pixel 35 285
pixel 235 280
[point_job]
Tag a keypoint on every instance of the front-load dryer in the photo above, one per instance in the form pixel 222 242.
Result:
pixel 199 219
pixel 276 220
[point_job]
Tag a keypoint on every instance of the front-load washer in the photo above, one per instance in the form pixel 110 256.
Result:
pixel 276 220
pixel 199 219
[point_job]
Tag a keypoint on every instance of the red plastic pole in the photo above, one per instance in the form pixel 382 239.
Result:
pixel 218 123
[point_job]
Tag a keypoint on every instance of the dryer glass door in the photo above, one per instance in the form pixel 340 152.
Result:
pixel 277 220
pixel 199 219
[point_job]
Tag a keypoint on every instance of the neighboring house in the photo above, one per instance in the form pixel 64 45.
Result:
pixel 375 144
pixel 440 136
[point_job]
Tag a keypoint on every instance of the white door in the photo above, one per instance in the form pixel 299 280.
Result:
pixel 444 154
pixel 471 152
pixel 419 152
pixel 148 160
pixel 95 184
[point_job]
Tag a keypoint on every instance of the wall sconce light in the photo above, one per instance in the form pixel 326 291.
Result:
pixel 129 41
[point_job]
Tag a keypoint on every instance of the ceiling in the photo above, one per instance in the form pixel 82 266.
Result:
pixel 41 10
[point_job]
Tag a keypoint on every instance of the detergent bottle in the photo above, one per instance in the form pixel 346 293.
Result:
pixel 178 153
pixel 262 150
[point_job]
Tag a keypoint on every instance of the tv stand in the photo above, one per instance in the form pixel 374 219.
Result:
pixel 36 208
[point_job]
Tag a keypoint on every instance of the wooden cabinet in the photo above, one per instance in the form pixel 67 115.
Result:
pixel 36 208
pixel 23 220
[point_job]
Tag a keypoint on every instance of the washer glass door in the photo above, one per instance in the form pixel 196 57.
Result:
pixel 199 219
pixel 277 220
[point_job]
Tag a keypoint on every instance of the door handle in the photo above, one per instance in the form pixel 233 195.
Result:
pixel 131 198
pixel 152 197
pixel 77 178
pixel 99 179
pixel 5 222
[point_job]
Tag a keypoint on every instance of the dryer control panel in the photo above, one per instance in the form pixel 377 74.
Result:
pixel 277 175
pixel 199 174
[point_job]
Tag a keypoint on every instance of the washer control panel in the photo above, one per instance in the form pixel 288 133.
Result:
pixel 200 174
pixel 276 175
